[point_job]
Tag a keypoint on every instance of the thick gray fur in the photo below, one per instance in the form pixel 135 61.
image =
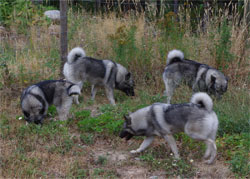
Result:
pixel 36 99
pixel 200 77
pixel 79 68
pixel 197 119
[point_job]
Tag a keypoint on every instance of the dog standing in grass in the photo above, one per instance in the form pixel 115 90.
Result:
pixel 79 68
pixel 36 99
pixel 197 119
pixel 200 77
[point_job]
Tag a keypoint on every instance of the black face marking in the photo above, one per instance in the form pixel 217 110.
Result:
pixel 26 114
pixel 38 122
pixel 126 88
pixel 127 77
pixel 129 136
pixel 126 134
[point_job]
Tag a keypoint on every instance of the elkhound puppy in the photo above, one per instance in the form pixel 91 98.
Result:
pixel 199 77
pixel 197 119
pixel 36 99
pixel 79 68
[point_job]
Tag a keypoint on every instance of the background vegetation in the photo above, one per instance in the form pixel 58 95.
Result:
pixel 29 52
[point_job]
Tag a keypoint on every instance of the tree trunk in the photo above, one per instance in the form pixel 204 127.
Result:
pixel 63 34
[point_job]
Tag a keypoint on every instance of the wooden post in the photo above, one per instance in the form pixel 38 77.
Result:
pixel 158 7
pixel 97 5
pixel 246 13
pixel 205 16
pixel 176 7
pixel 63 34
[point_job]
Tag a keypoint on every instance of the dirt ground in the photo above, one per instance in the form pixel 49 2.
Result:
pixel 114 150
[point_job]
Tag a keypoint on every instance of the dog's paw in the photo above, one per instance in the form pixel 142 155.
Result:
pixel 134 151
pixel 208 162
pixel 206 156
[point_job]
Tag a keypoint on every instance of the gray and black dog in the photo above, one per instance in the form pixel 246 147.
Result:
pixel 200 77
pixel 79 68
pixel 36 99
pixel 197 119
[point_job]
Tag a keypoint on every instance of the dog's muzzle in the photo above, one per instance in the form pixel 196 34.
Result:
pixel 130 92
pixel 126 134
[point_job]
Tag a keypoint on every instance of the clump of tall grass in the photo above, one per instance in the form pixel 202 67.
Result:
pixel 139 43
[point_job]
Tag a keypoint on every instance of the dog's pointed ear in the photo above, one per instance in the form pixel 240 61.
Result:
pixel 127 119
pixel 213 78
pixel 128 75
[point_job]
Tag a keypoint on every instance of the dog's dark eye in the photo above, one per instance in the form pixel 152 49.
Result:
pixel 26 114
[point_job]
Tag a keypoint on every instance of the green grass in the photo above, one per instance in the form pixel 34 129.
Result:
pixel 54 137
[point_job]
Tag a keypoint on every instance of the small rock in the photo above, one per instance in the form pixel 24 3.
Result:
pixel 53 15
pixel 138 159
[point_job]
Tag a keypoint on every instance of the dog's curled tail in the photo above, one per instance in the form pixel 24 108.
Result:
pixel 75 53
pixel 174 56
pixel 74 90
pixel 202 99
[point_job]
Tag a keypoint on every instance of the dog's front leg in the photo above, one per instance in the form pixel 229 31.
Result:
pixel 63 110
pixel 75 97
pixel 171 141
pixel 143 145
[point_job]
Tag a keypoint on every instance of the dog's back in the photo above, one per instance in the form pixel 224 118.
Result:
pixel 173 118
pixel 80 68
pixel 179 68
